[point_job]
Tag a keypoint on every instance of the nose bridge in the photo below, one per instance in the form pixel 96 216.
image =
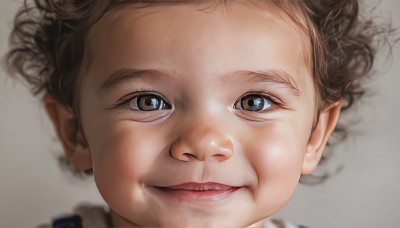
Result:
pixel 203 139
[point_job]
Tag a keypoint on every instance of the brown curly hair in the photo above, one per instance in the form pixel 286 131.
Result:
pixel 49 38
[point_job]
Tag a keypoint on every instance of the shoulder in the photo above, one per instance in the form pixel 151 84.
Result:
pixel 83 216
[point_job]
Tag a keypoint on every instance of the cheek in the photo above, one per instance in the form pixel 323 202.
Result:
pixel 122 155
pixel 276 156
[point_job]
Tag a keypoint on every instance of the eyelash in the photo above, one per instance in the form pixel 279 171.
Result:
pixel 265 94
pixel 126 99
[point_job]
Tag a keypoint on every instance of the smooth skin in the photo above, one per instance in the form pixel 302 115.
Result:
pixel 234 105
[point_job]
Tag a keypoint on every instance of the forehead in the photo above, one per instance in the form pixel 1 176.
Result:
pixel 194 30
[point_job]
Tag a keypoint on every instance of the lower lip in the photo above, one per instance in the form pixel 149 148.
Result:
pixel 197 196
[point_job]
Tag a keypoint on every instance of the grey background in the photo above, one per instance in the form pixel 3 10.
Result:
pixel 364 194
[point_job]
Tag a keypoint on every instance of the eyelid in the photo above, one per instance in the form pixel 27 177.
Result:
pixel 127 98
pixel 265 94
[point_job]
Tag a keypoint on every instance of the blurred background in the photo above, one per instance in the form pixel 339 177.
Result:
pixel 365 193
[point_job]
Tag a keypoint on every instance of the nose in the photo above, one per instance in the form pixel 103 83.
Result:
pixel 204 143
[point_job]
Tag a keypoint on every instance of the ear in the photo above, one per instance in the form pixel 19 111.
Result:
pixel 65 124
pixel 319 136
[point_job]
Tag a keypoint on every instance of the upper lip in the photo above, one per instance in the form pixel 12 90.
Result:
pixel 192 186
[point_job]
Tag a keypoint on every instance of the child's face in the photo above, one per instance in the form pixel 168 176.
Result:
pixel 174 96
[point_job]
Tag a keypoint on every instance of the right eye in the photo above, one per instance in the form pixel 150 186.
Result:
pixel 148 102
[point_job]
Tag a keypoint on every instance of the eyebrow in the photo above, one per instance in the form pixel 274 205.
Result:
pixel 269 76
pixel 126 74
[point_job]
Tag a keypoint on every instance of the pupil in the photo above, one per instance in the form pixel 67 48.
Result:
pixel 149 103
pixel 253 103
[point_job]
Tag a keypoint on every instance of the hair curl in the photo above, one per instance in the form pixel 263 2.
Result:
pixel 48 45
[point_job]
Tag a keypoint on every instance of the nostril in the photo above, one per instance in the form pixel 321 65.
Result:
pixel 179 151
pixel 220 157
pixel 188 156
pixel 224 153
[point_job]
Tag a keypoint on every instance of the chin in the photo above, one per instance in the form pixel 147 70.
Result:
pixel 201 222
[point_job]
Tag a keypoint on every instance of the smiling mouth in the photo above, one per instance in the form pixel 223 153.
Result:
pixel 198 192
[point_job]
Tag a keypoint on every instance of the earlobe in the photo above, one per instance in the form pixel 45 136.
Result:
pixel 319 136
pixel 72 140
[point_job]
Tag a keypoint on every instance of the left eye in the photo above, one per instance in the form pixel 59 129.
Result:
pixel 148 102
pixel 253 103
